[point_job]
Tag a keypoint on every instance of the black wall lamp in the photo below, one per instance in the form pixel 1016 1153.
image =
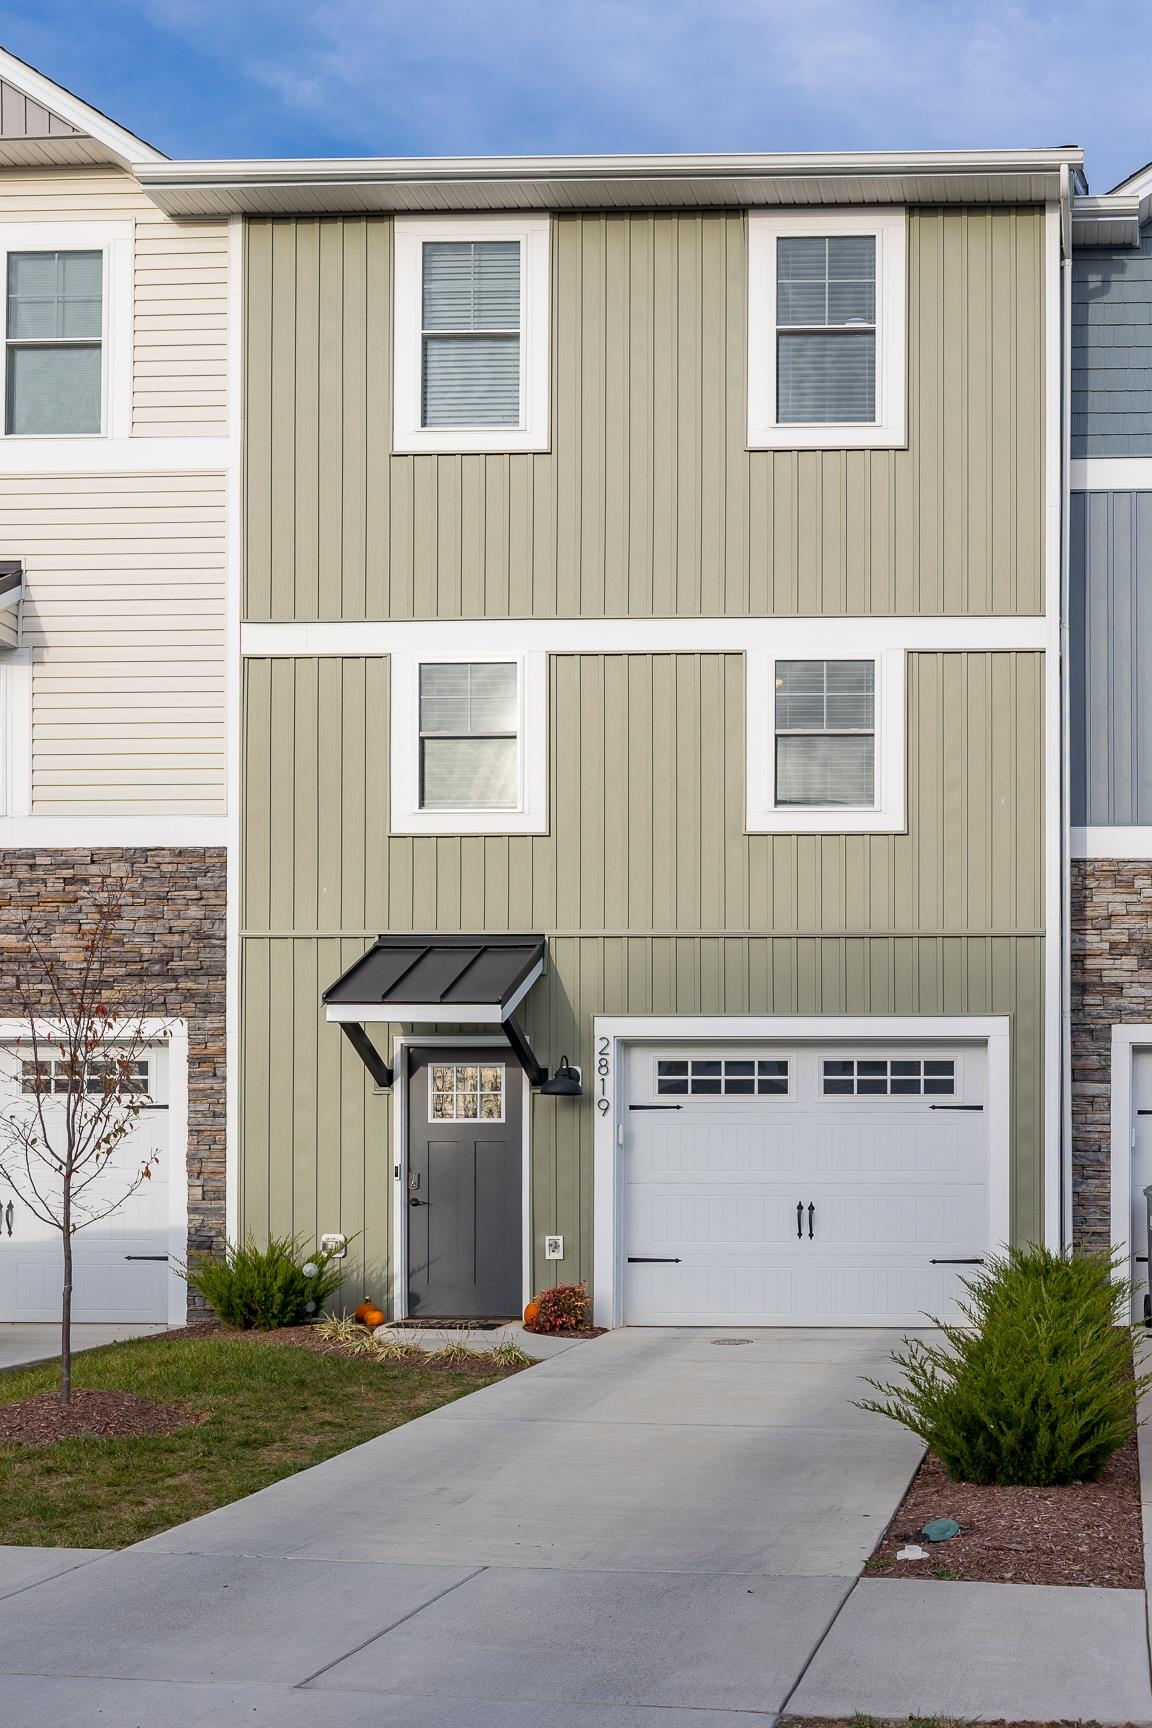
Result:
pixel 565 1083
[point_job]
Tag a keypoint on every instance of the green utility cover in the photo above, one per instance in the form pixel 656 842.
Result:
pixel 940 1530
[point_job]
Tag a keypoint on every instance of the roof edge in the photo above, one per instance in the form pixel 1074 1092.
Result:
pixel 124 146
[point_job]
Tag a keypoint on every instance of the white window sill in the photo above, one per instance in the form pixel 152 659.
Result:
pixel 466 440
pixel 848 436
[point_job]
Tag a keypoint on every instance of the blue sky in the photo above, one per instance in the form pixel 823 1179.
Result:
pixel 390 77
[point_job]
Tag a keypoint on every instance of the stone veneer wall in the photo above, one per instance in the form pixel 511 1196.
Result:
pixel 172 962
pixel 1111 983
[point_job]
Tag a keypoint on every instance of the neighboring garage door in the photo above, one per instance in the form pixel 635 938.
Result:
pixel 121 1261
pixel 809 1185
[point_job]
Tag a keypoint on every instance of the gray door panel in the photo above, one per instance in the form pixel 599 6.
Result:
pixel 464 1185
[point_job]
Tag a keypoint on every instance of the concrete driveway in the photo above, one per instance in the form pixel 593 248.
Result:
pixel 654 1530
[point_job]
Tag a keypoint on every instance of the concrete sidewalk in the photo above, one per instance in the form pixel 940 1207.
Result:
pixel 22 1344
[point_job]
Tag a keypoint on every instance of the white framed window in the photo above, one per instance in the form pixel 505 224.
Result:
pixel 827 329
pixel 67 310
pixel 825 739
pixel 471 311
pixel 888 1077
pixel 469 743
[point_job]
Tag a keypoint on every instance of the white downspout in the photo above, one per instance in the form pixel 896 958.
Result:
pixel 1065 702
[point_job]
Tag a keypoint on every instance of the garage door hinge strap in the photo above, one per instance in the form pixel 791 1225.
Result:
pixel 653 1259
pixel 978 1261
pixel 655 1106
pixel 145 1256
pixel 955 1106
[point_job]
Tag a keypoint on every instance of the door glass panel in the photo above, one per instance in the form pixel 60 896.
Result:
pixel 466 1092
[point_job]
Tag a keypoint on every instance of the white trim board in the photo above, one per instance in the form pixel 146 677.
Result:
pixel 1055 1080
pixel 610 1033
pixel 730 635
pixel 1110 474
pixel 1126 1040
pixel 1134 843
pixel 233 730
pixel 111 830
pixel 92 454
pixel 174 1033
pixel 401 1044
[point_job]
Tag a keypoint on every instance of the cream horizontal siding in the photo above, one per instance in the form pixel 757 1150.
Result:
pixel 317 1141
pixel 124 614
pixel 648 501
pixel 180 288
pixel 646 810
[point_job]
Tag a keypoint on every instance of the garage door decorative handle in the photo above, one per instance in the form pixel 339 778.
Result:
pixel 8 1216
pixel 811 1215
pixel 799 1220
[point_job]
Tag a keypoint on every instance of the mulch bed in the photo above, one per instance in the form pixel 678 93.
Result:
pixel 308 1338
pixel 568 1332
pixel 42 1420
pixel 1088 1533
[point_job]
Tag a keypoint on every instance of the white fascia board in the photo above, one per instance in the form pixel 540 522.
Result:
pixel 1133 843
pixel 413 1013
pixel 337 170
pixel 1111 474
pixel 132 151
pixel 496 636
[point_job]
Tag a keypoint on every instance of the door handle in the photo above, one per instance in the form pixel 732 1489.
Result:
pixel 811 1215
pixel 412 1201
pixel 8 1216
pixel 799 1219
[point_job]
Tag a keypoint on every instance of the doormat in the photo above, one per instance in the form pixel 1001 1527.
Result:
pixel 451 1325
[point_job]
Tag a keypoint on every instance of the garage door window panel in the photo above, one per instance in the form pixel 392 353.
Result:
pixel 720 1077
pixel 876 1077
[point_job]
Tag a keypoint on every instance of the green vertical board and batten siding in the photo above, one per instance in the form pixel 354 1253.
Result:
pixel 648 503
pixel 653 897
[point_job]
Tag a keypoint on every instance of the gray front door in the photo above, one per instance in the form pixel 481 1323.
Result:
pixel 464 1185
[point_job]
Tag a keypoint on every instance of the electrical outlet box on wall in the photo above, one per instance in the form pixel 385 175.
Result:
pixel 553 1247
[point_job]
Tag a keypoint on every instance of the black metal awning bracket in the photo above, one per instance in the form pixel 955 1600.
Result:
pixel 522 1051
pixel 382 1075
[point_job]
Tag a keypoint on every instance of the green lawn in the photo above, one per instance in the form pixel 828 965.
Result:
pixel 270 1412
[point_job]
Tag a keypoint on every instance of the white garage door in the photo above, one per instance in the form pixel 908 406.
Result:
pixel 120 1262
pixel 835 1184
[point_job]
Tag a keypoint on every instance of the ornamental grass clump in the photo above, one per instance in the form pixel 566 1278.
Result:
pixel 260 1288
pixel 1037 1389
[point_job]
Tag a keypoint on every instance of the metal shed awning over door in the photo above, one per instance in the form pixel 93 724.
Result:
pixel 437 980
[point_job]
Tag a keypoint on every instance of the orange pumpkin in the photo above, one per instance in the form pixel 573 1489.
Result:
pixel 364 1308
pixel 372 1317
pixel 530 1312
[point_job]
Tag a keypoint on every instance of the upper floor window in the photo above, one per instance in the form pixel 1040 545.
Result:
pixel 469 742
pixel 825 735
pixel 826 330
pixel 54 343
pixel 471 334
pixel 826 732
pixel 469 735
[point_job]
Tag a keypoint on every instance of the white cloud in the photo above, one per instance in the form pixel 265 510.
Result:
pixel 510 75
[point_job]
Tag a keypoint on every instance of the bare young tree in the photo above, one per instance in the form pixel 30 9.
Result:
pixel 81 1092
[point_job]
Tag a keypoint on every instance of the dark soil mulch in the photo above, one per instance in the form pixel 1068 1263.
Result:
pixel 1088 1533
pixel 568 1332
pixel 43 1420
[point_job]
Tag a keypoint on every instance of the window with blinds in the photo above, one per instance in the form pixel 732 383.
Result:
pixel 826 732
pixel 469 736
pixel 53 330
pixel 826 329
pixel 470 333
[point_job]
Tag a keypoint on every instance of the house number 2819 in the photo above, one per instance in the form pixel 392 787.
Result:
pixel 603 1073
